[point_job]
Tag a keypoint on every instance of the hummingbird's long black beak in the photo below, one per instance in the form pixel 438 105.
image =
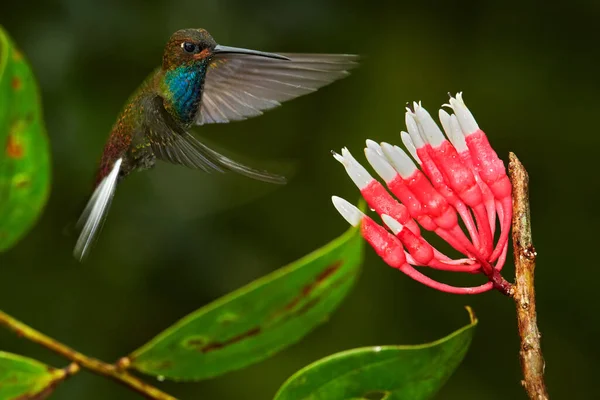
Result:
pixel 237 50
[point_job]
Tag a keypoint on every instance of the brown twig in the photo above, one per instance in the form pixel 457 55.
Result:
pixel 500 284
pixel 92 364
pixel 532 360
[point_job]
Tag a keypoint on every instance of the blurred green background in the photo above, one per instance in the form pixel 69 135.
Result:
pixel 177 239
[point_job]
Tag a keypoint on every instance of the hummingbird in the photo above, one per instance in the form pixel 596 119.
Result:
pixel 199 82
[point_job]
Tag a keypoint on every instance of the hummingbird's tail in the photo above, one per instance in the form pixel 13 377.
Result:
pixel 95 211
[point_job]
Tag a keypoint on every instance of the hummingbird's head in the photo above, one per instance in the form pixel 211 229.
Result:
pixel 187 46
pixel 191 45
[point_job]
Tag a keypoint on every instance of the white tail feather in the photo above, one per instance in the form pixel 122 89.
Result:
pixel 95 211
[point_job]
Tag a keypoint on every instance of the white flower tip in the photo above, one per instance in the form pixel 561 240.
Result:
pixel 465 118
pixel 399 160
pixel 444 119
pixel 456 135
pixel 385 146
pixel 359 175
pixel 338 157
pixel 432 132
pixel 406 139
pixel 346 152
pixel 395 226
pixel 380 164
pixel 413 130
pixel 410 146
pixel 371 144
pixel 348 157
pixel 350 213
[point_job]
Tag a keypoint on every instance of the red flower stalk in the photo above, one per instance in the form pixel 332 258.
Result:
pixel 460 176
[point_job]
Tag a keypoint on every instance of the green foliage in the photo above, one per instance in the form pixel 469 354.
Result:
pixel 23 378
pixel 24 149
pixel 257 320
pixel 383 372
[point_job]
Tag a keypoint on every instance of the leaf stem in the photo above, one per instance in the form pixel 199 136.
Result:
pixel 92 364
pixel 532 360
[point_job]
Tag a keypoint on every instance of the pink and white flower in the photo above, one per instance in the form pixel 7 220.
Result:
pixel 456 177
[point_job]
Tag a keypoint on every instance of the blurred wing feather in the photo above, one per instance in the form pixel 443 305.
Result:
pixel 240 86
pixel 175 145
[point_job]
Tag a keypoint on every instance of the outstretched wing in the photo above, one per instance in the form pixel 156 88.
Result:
pixel 241 86
pixel 171 143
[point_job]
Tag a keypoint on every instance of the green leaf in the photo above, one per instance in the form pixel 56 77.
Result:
pixel 23 378
pixel 383 372
pixel 257 320
pixel 24 149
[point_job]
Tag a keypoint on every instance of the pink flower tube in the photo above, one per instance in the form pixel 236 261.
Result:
pixel 451 178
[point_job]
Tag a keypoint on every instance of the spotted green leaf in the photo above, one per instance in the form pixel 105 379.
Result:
pixel 382 372
pixel 257 320
pixel 23 378
pixel 24 149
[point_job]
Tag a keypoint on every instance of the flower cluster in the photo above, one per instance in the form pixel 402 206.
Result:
pixel 457 177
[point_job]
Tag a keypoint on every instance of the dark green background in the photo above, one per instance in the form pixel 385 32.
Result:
pixel 177 239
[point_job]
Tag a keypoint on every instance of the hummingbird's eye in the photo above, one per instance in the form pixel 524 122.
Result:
pixel 189 47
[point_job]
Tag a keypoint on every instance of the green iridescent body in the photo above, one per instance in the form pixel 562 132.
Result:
pixel 169 99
